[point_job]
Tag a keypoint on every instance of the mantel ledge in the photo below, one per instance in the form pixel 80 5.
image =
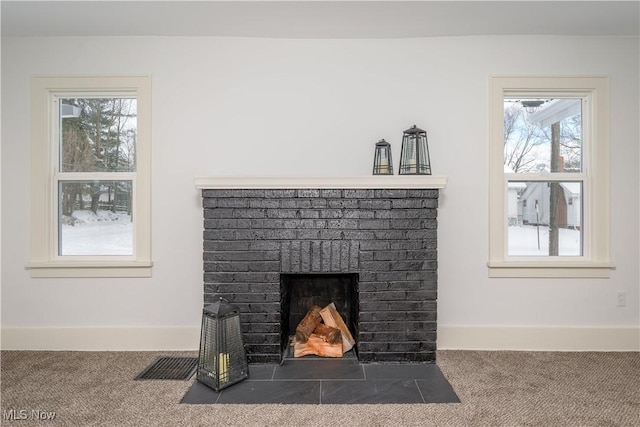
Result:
pixel 380 182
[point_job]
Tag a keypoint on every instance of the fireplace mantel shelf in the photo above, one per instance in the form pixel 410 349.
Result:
pixel 324 182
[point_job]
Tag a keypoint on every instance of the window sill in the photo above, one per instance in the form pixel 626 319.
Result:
pixel 524 269
pixel 90 269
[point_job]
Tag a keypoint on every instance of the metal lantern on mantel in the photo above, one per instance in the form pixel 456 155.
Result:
pixel 414 157
pixel 222 360
pixel 382 163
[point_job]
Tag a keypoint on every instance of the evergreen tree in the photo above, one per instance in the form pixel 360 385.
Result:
pixel 100 139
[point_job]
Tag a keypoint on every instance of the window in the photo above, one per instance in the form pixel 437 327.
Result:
pixel 91 210
pixel 549 177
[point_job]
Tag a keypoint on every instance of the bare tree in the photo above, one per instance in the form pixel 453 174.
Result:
pixel 521 139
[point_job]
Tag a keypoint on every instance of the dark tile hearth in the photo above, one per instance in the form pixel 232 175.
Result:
pixel 332 381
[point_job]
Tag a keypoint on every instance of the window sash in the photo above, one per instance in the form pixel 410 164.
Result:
pixel 56 119
pixel 570 177
pixel 84 177
pixel 584 118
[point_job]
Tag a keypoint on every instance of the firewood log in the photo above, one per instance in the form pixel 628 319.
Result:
pixel 332 318
pixel 328 334
pixel 316 345
pixel 311 320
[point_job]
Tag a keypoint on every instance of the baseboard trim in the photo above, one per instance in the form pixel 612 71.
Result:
pixel 528 338
pixel 101 339
pixel 449 338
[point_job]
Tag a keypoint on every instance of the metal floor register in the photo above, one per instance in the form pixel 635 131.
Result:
pixel 170 368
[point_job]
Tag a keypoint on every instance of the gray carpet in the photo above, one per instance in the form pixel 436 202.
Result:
pixel 495 389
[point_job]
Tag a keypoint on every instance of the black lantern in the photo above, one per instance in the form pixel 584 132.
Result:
pixel 382 163
pixel 222 361
pixel 414 158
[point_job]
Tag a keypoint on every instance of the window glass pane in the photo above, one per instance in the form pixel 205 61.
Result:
pixel 95 218
pixel 98 134
pixel 545 218
pixel 543 135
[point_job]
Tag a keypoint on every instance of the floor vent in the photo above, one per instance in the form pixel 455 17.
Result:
pixel 170 368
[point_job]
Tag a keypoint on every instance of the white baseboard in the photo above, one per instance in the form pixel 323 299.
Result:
pixel 101 339
pixel 538 338
pixel 449 338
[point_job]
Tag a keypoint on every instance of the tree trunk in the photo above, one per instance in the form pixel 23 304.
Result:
pixel 67 204
pixel 95 198
pixel 554 229
pixel 78 195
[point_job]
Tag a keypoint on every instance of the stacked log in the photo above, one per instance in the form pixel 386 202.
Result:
pixel 322 332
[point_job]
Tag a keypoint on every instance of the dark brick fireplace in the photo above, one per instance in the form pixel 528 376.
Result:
pixel 385 239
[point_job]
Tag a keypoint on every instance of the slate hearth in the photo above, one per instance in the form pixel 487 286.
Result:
pixel 387 237
pixel 332 381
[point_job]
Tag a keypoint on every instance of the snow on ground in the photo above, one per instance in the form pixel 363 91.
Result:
pixel 523 240
pixel 108 233
pixel 104 233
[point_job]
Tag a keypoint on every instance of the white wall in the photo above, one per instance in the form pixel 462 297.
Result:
pixel 224 106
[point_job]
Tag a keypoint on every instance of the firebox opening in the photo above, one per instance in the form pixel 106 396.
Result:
pixel 298 292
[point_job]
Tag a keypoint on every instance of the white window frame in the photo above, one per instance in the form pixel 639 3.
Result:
pixel 44 260
pixel 595 260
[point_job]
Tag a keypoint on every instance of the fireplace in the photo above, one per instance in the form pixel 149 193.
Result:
pixel 375 245
pixel 301 291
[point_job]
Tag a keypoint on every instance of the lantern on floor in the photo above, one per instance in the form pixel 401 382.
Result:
pixel 222 360
pixel 414 157
pixel 382 163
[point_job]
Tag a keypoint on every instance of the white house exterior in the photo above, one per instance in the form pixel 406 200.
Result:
pixel 514 214
pixel 539 194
